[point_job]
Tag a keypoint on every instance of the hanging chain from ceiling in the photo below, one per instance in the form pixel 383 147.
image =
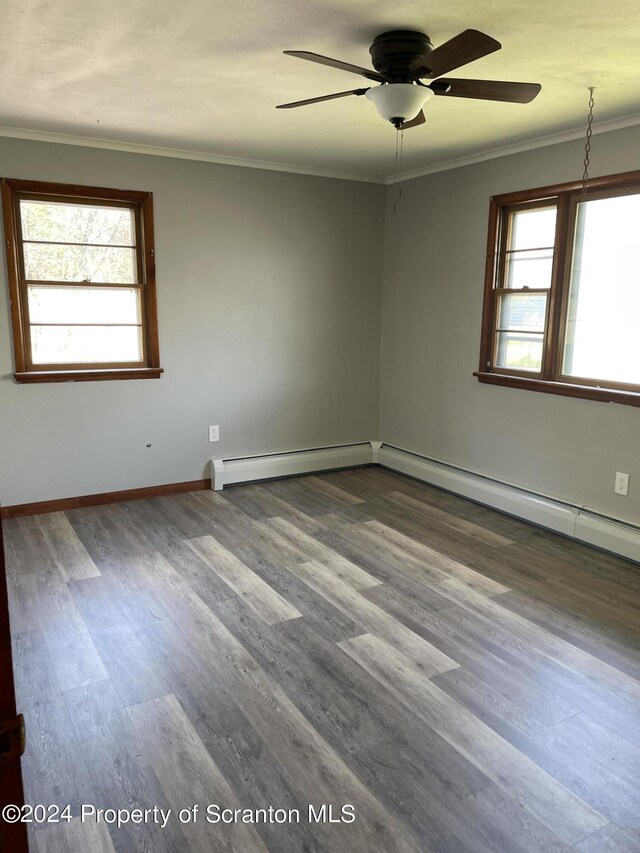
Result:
pixel 587 144
pixel 398 175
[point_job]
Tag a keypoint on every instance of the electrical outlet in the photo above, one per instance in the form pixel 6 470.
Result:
pixel 214 433
pixel 622 484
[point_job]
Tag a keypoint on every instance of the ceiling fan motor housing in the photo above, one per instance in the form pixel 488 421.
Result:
pixel 393 52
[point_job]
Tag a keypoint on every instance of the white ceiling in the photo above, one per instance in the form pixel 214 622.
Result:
pixel 205 75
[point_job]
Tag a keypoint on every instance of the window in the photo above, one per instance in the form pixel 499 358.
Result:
pixel 562 290
pixel 82 283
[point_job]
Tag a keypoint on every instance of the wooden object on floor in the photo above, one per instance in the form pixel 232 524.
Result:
pixel 13 836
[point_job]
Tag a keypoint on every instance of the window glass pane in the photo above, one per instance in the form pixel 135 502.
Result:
pixel 602 338
pixel 84 305
pixel 533 229
pixel 529 269
pixel 523 311
pixel 77 223
pixel 51 262
pixel 85 344
pixel 519 351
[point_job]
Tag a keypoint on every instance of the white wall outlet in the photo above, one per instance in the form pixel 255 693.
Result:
pixel 214 433
pixel 622 484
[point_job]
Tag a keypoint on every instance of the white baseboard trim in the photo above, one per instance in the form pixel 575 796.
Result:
pixel 224 472
pixel 606 533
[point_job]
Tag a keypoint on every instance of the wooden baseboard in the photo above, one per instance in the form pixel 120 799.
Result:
pixel 62 504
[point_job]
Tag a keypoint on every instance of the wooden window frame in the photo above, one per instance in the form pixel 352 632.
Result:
pixel 550 379
pixel 141 204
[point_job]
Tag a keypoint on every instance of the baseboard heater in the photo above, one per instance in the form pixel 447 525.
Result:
pixel 224 472
pixel 570 520
pixel 573 521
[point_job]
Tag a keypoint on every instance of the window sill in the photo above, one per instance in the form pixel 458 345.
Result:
pixel 587 392
pixel 34 376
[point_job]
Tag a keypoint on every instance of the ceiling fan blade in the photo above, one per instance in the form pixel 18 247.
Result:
pixel 322 98
pixel 369 73
pixel 419 119
pixel 487 90
pixel 460 50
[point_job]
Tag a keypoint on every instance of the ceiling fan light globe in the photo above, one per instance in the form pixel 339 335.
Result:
pixel 399 101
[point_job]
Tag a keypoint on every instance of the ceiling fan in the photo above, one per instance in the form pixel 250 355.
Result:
pixel 403 58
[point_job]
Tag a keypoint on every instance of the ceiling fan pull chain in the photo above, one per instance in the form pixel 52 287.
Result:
pixel 587 145
pixel 395 177
pixel 401 161
pixel 398 175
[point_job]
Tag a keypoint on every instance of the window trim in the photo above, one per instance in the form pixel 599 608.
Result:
pixel 142 205
pixel 550 379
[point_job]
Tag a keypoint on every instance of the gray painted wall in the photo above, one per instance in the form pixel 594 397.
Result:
pixel 269 289
pixel 433 286
pixel 269 312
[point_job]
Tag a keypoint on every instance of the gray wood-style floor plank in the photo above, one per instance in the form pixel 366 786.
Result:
pixel 345 705
pixel 510 826
pixel 422 654
pixel 618 755
pixel 117 640
pixel 617 647
pixel 468 682
pixel 430 513
pixel 259 503
pixel 609 839
pixel 53 770
pixel 237 748
pixel 575 690
pixel 70 555
pixel 120 775
pixel 48 605
pixel 189 775
pixel 75 835
pixel 343 569
pixel 321 774
pixel 550 802
pixel 595 783
pixel 335 492
pixel 260 597
pixel 396 547
pixel 459 640
pixel 538 641
pixel 436 562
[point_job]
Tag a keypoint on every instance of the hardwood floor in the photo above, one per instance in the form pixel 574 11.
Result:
pixel 467 682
